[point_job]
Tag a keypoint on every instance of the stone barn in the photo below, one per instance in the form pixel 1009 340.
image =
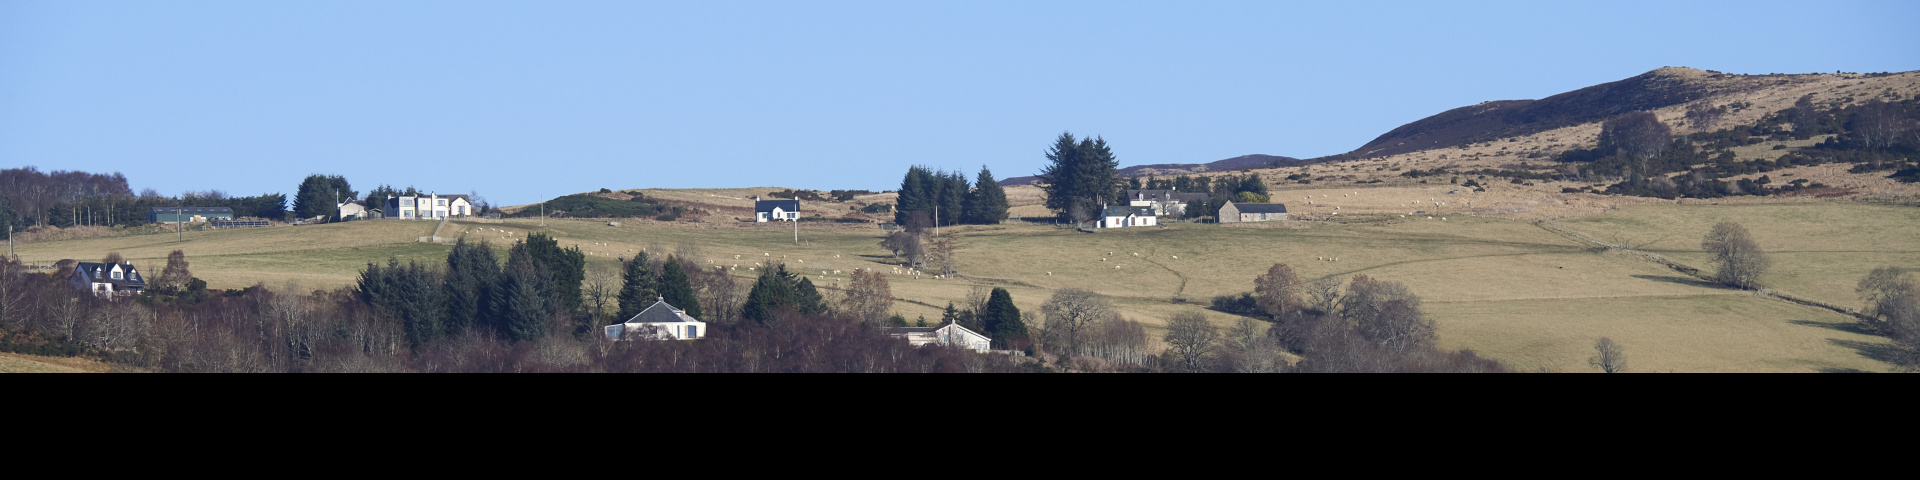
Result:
pixel 1252 212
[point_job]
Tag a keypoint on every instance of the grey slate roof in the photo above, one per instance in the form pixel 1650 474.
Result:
pixel 1165 195
pixel 660 312
pixel 194 210
pixel 1121 211
pixel 1260 207
pixel 769 205
pixel 86 272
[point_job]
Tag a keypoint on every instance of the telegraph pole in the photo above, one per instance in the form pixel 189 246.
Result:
pixel 177 226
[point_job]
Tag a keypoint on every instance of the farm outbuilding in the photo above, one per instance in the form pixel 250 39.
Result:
pixel 189 214
pixel 1252 212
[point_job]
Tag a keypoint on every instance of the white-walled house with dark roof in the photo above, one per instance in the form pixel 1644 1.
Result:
pixel 770 210
pixel 667 323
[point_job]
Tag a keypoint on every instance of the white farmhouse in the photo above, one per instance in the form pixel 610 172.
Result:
pixel 667 323
pixel 951 334
pixel 1118 217
pixel 428 207
pixel 1165 203
pixel 107 279
pixel 770 210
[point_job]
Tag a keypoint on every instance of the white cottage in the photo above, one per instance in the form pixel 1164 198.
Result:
pixel 1118 217
pixel 951 334
pixel 770 210
pixel 107 279
pixel 667 323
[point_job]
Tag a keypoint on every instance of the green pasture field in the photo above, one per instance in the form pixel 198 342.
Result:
pixel 1506 289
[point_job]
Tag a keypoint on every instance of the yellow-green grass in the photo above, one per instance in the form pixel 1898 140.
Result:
pixel 1819 250
pixel 20 363
pixel 1507 289
pixel 1685 333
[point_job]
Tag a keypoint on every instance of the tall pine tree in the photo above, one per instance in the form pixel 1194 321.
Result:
pixel 472 274
pixel 565 268
pixel 987 203
pixel 1081 178
pixel 773 291
pixel 677 289
pixel 640 287
pixel 524 308
pixel 1002 320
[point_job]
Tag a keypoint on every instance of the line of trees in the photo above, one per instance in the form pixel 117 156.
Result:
pixel 1369 326
pixel 923 191
pixel 1081 177
pixel 262 329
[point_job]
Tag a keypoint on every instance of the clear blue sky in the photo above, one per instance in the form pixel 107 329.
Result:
pixel 523 101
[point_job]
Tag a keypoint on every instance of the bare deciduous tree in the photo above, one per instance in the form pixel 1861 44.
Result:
pixel 1323 294
pixel 1070 311
pixel 602 282
pixel 940 256
pixel 1892 302
pixel 1254 348
pixel 1702 115
pixel 1805 114
pixel 869 297
pixel 175 275
pixel 1388 313
pixel 1278 291
pixel 1878 125
pixel 1738 257
pixel 1637 135
pixel 1608 356
pixel 1189 338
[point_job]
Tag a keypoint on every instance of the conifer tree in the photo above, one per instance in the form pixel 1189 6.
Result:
pixel 565 268
pixel 524 310
pixel 1002 320
pixel 640 287
pixel 807 299
pixel 472 275
pixel 676 289
pixel 1082 177
pixel 771 292
pixel 987 203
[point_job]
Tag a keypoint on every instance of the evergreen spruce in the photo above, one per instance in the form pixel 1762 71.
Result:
pixel 771 292
pixel 1002 319
pixel 472 274
pixel 639 289
pixel 807 299
pixel 987 203
pixel 318 193
pixel 524 310
pixel 566 269
pixel 676 289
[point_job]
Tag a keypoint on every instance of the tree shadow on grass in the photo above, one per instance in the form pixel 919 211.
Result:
pixel 1849 327
pixel 1881 352
pixel 1691 282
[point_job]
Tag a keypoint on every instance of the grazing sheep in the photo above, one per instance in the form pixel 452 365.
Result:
pixel 1176 257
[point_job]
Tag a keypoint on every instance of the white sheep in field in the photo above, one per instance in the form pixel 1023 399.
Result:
pixel 1049 274
pixel 1176 257
pixel 1116 267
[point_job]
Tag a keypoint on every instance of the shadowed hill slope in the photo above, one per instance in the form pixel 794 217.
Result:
pixel 1511 118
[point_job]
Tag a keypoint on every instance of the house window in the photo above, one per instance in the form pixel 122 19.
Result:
pixel 116 275
pixel 693 331
pixel 443 203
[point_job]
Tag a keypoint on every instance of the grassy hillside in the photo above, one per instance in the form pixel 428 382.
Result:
pixel 1505 288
